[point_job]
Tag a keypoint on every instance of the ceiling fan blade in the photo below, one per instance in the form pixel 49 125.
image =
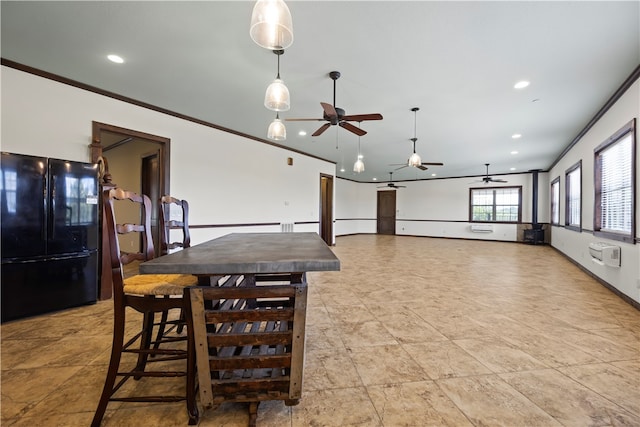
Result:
pixel 400 186
pixel 433 163
pixel 362 117
pixel 303 120
pixel 422 168
pixel 498 180
pixel 321 129
pixel 402 167
pixel 351 128
pixel 329 110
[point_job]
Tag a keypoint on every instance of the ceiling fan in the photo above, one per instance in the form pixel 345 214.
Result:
pixel 390 184
pixel 414 160
pixel 487 179
pixel 336 116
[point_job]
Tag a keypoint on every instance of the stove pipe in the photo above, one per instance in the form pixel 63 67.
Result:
pixel 534 202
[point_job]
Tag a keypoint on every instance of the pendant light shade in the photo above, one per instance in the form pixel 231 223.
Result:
pixel 415 160
pixel 358 166
pixel 276 98
pixel 276 130
pixel 271 25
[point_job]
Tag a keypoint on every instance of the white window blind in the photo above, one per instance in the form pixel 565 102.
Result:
pixel 573 197
pixel 555 201
pixel 616 189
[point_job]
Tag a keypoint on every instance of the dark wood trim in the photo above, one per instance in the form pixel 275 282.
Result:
pixel 83 86
pixel 551 184
pixel 628 128
pixel 438 178
pixel 567 192
pixel 610 102
pixel 519 187
pixel 604 283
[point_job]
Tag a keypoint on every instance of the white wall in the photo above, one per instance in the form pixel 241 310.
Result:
pixel 576 244
pixel 227 179
pixel 435 208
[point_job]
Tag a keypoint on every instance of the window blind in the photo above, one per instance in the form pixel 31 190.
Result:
pixel 616 189
pixel 555 201
pixel 573 197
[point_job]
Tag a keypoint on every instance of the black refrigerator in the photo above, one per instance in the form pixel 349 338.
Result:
pixel 50 226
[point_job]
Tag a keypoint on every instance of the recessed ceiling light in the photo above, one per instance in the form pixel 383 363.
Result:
pixel 516 136
pixel 302 133
pixel 512 169
pixel 115 58
pixel 521 84
pixel 375 179
pixel 433 174
pixel 341 169
pixel 514 152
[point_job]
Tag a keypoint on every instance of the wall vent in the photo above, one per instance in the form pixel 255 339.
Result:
pixel 286 227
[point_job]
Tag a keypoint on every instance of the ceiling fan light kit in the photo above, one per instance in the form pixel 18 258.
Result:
pixel 276 130
pixel 271 24
pixel 276 98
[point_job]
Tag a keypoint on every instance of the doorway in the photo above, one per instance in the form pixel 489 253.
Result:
pixel 128 150
pixel 326 208
pixel 386 223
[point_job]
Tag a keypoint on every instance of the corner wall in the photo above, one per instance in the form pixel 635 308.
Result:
pixel 230 181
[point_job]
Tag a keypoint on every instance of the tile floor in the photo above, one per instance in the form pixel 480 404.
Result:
pixel 411 332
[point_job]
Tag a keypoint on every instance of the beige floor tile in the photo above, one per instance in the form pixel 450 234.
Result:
pixel 337 407
pixel 616 384
pixel 407 327
pixel 415 404
pixel 499 356
pixel 569 402
pixel 328 369
pixel 365 334
pixel 489 401
pixel 387 364
pixel 445 360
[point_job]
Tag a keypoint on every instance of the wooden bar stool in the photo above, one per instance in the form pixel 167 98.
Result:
pixel 145 294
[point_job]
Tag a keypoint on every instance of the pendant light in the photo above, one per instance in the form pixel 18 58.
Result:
pixel 271 26
pixel 276 98
pixel 415 159
pixel 358 166
pixel 276 130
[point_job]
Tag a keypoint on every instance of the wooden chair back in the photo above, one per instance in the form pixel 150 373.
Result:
pixel 249 341
pixel 168 224
pixel 139 207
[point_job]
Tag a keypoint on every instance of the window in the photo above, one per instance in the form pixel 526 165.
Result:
pixel 573 197
pixel 498 204
pixel 555 201
pixel 614 176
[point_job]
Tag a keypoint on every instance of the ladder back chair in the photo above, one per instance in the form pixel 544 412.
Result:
pixel 167 222
pixel 167 205
pixel 249 342
pixel 145 294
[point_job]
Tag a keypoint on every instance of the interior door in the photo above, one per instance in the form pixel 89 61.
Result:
pixel 150 185
pixel 326 208
pixel 386 212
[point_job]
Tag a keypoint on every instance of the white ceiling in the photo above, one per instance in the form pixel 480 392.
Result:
pixel 457 61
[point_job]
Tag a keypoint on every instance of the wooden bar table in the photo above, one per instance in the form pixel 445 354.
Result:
pixel 248 253
pixel 268 352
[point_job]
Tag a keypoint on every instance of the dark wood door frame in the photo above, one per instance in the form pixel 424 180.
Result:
pixel 96 147
pixel 326 208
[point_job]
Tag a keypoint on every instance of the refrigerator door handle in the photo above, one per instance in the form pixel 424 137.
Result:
pixel 52 209
pixel 43 210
